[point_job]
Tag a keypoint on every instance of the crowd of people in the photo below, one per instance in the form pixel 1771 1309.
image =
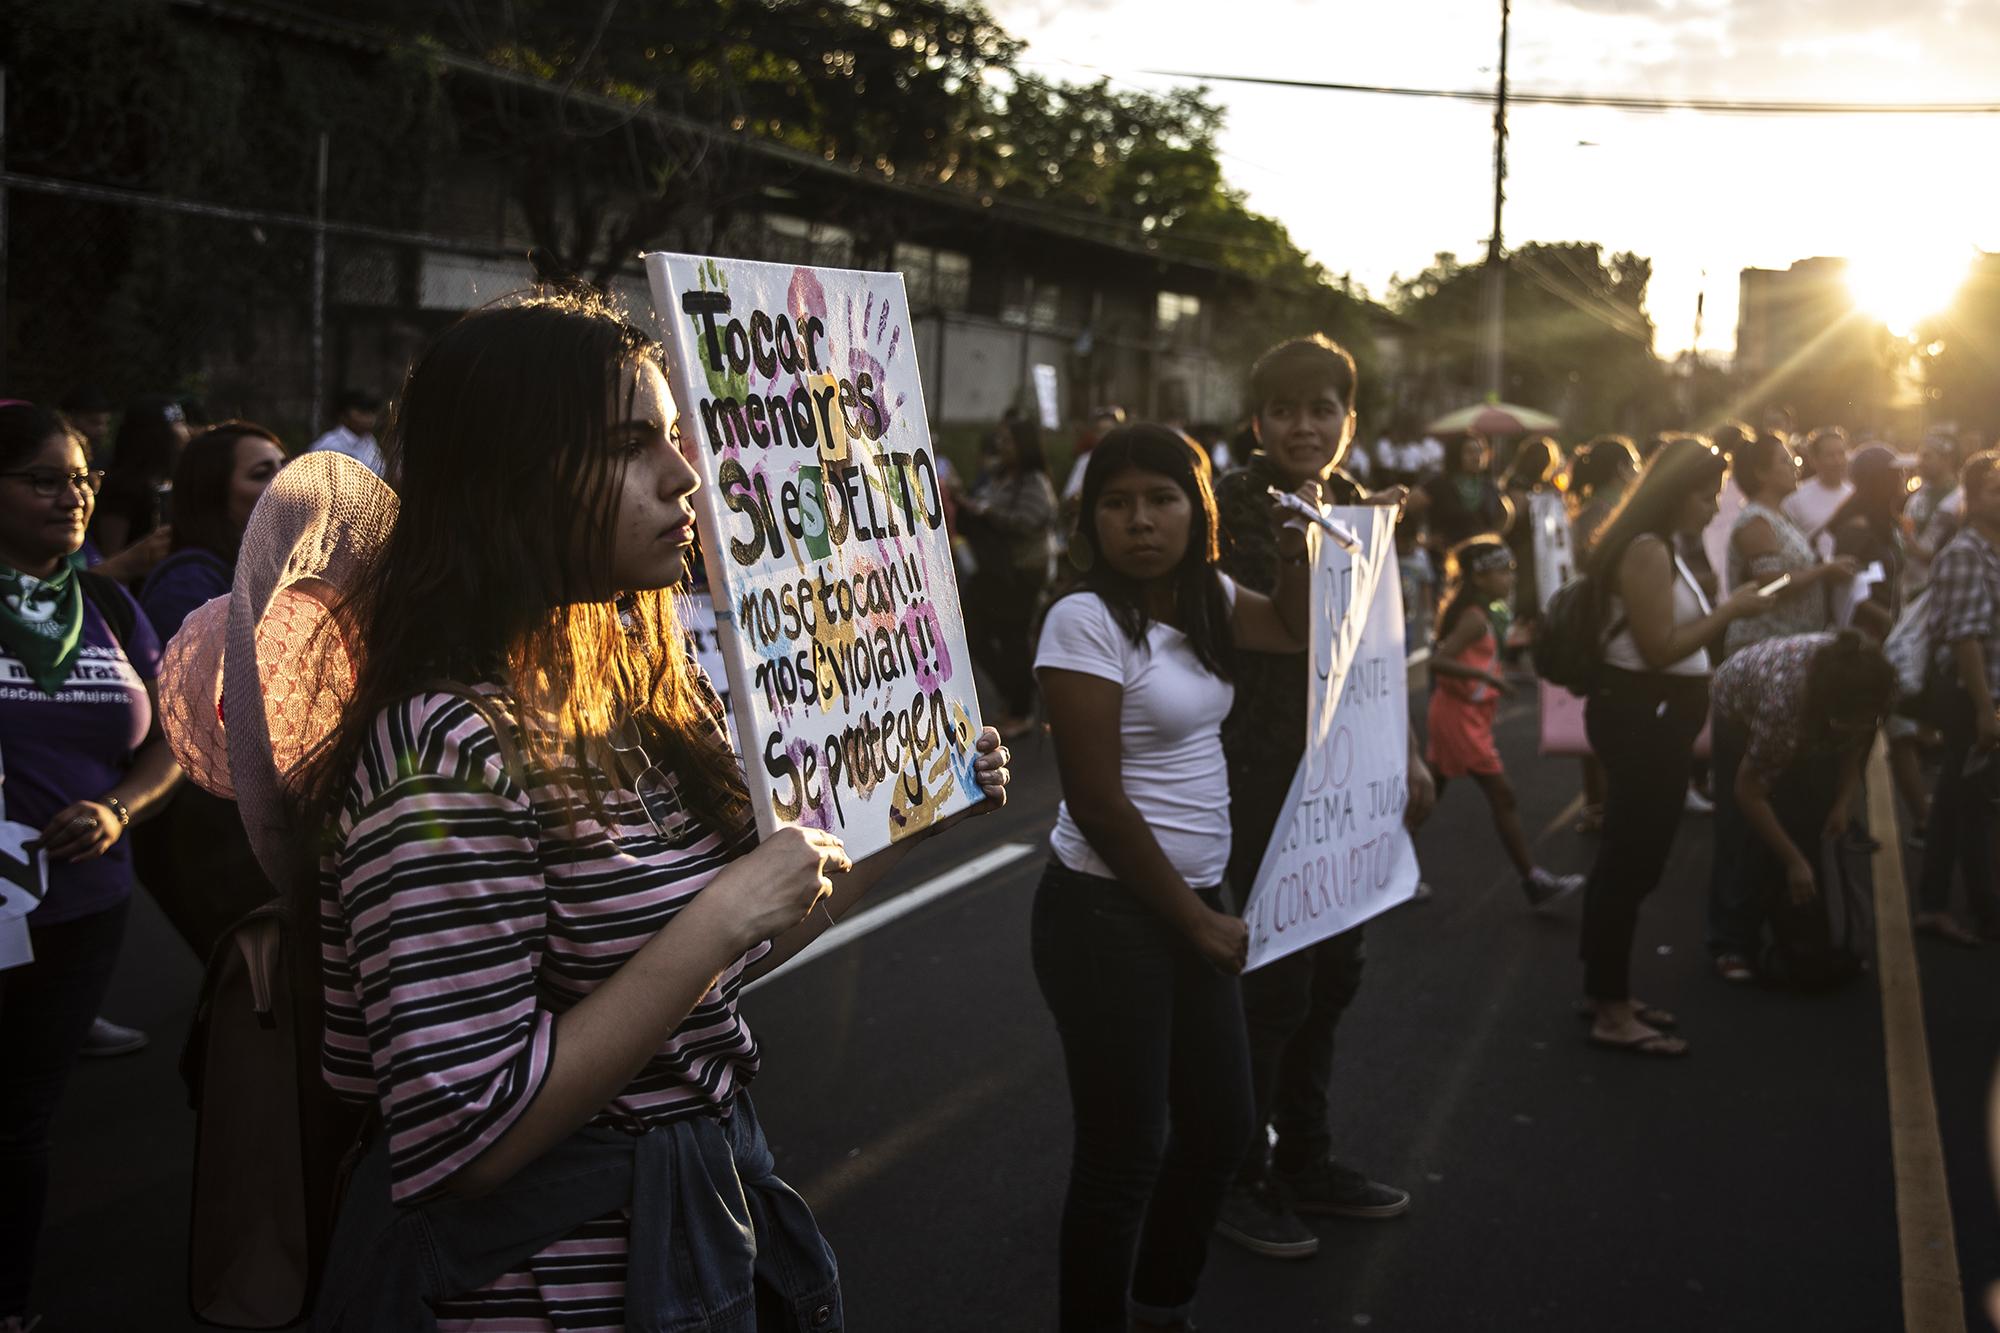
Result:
pixel 540 892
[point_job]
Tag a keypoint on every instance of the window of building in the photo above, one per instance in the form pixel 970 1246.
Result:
pixel 934 279
pixel 1032 301
pixel 1178 319
pixel 790 240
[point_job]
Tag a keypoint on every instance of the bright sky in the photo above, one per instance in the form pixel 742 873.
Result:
pixel 1375 186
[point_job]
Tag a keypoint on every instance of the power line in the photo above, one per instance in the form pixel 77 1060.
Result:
pixel 1711 105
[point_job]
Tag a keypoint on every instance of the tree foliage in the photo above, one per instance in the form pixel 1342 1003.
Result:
pixel 1578 340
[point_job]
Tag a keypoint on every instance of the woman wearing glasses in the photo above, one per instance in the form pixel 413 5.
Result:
pixel 522 972
pixel 82 758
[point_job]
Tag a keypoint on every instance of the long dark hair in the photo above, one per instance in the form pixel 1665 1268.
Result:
pixel 1684 466
pixel 1601 462
pixel 496 567
pixel 1848 678
pixel 199 510
pixel 1536 463
pixel 1198 598
pixel 25 428
pixel 148 441
pixel 1460 564
pixel 1755 458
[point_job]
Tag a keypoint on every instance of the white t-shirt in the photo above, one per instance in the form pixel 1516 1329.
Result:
pixel 361 448
pixel 1811 505
pixel 1170 735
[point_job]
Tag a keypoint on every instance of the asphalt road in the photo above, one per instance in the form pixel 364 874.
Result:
pixel 913 1092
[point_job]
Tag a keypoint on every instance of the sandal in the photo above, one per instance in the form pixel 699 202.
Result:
pixel 1591 820
pixel 1734 968
pixel 1645 1013
pixel 1946 928
pixel 1656 1044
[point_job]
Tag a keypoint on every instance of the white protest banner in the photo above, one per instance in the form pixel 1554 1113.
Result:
pixel 1555 565
pixel 697 613
pixel 822 524
pixel 1555 562
pixel 1340 853
pixel 24 882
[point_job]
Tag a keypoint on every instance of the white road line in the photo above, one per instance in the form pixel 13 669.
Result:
pixel 880 915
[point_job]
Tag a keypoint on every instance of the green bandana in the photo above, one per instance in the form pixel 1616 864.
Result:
pixel 41 623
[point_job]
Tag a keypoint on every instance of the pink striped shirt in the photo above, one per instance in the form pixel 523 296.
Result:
pixel 460 915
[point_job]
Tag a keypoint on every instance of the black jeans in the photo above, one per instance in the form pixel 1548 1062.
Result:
pixel 1292 1008
pixel 1748 890
pixel 1159 1084
pixel 1960 834
pixel 46 1007
pixel 998 616
pixel 1642 726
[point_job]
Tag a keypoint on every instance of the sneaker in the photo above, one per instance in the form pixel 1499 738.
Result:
pixel 1697 804
pixel 106 1038
pixel 1734 968
pixel 1544 889
pixel 1256 1218
pixel 1328 1189
pixel 1915 838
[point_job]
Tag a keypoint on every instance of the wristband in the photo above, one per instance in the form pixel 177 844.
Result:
pixel 117 808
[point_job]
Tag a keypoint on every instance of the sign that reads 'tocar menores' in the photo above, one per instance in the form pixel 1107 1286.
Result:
pixel 822 522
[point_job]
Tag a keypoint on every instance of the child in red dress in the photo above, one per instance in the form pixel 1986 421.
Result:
pixel 1468 685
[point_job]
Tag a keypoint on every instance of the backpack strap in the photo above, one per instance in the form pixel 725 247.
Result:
pixel 121 616
pixel 495 717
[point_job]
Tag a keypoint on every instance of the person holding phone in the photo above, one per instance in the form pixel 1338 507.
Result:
pixel 1135 948
pixel 1765 546
pixel 1642 719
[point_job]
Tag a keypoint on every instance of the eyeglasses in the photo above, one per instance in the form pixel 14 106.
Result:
pixel 48 482
pixel 658 796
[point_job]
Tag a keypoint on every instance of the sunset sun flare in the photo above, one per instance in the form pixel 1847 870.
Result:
pixel 1904 284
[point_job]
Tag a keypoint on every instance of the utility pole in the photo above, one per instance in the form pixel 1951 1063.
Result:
pixel 319 293
pixel 1496 273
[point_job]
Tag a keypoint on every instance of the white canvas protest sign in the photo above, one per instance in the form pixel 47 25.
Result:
pixel 1047 398
pixel 1555 562
pixel 24 882
pixel 1340 853
pixel 1555 565
pixel 821 518
pixel 697 613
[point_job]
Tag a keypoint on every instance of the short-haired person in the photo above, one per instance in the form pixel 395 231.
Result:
pixel 1010 519
pixel 1793 720
pixel 133 502
pixel 1463 500
pixel 1303 423
pixel 83 757
pixel 353 432
pixel 534 980
pixel 1867 530
pixel 1642 719
pixel 1965 685
pixel 1136 948
pixel 1825 487
pixel 221 473
pixel 1765 545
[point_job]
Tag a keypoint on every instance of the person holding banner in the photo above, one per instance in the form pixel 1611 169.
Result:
pixel 1135 948
pixel 541 892
pixel 1649 705
pixel 1303 425
pixel 1470 682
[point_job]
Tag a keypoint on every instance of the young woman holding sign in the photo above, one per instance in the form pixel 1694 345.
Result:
pixel 527 973
pixel 1136 952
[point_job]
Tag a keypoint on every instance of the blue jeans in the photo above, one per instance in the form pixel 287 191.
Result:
pixel 1159 1083
pixel 46 1008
